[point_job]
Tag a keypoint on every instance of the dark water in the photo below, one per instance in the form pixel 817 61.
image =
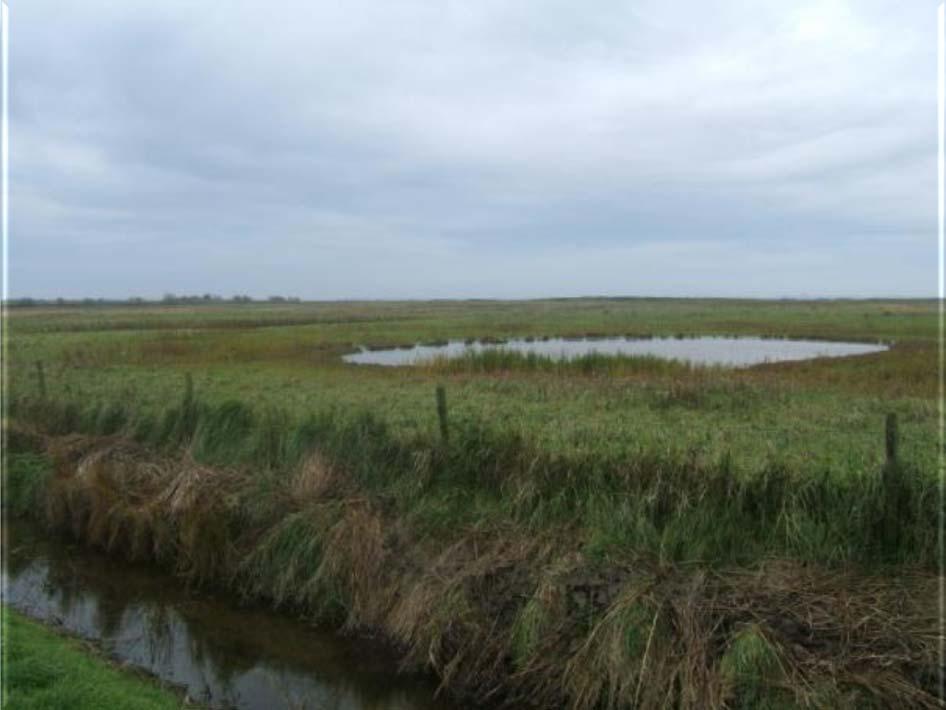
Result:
pixel 225 656
pixel 734 352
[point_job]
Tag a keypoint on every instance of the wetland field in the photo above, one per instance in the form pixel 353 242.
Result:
pixel 753 524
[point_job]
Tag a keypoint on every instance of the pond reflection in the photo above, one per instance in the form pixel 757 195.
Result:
pixel 732 352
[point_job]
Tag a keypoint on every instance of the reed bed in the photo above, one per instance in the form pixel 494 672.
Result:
pixel 499 360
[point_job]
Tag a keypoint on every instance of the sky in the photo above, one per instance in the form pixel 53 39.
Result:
pixel 497 148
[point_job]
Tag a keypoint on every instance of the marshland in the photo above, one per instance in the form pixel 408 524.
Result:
pixel 602 531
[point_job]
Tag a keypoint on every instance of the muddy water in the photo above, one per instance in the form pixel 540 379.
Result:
pixel 223 655
pixel 733 352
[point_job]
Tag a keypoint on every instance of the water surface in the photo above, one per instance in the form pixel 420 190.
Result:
pixel 733 352
pixel 223 655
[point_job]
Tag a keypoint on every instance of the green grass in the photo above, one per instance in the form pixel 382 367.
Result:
pixel 662 499
pixel 100 351
pixel 551 473
pixel 25 477
pixel 537 442
pixel 751 664
pixel 44 670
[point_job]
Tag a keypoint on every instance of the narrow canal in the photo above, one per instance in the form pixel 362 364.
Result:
pixel 224 655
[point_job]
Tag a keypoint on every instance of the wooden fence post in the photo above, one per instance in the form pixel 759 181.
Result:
pixel 892 437
pixel 893 488
pixel 41 379
pixel 442 411
pixel 188 401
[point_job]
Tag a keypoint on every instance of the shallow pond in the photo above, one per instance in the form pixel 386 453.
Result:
pixel 224 655
pixel 733 352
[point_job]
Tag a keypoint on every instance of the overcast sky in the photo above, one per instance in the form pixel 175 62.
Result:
pixel 487 148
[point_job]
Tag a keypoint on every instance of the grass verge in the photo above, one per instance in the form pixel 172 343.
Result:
pixel 43 670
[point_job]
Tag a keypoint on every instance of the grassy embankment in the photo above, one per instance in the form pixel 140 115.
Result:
pixel 43 669
pixel 602 533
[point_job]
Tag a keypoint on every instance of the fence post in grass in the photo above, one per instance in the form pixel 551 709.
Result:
pixel 892 483
pixel 41 379
pixel 188 392
pixel 442 411
pixel 892 438
pixel 187 423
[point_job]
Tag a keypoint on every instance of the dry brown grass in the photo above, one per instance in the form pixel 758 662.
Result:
pixel 502 615
pixel 315 479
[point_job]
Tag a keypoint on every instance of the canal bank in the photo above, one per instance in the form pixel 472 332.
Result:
pixel 509 611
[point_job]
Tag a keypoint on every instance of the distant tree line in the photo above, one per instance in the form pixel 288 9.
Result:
pixel 169 299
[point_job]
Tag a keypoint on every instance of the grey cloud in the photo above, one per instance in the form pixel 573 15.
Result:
pixel 423 149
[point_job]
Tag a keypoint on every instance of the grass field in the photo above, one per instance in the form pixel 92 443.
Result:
pixel 606 533
pixel 821 408
pixel 43 670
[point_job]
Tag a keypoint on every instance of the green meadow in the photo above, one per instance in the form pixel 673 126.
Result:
pixel 825 409
pixel 610 532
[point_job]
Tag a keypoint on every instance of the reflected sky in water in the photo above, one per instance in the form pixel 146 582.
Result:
pixel 733 352
pixel 224 655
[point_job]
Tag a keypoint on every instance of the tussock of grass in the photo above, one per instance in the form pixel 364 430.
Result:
pixel 751 666
pixel 284 564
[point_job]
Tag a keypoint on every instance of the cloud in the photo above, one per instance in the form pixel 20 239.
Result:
pixel 359 149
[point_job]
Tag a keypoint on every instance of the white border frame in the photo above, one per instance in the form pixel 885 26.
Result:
pixel 941 213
